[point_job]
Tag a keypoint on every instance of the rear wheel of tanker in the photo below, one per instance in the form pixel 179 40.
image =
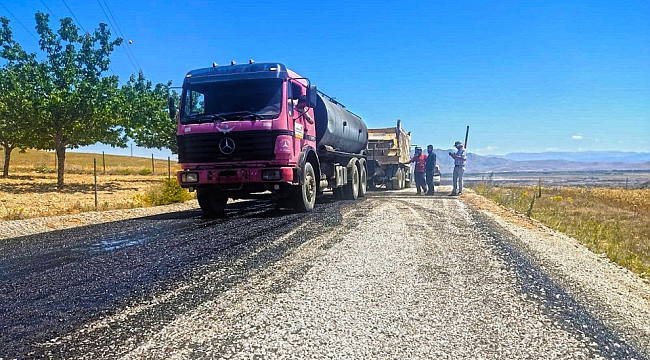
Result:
pixel 306 197
pixel 362 180
pixel 212 202
pixel 351 189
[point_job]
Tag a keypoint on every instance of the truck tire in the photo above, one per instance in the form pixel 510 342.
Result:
pixel 362 180
pixel 351 189
pixel 397 181
pixel 212 202
pixel 305 198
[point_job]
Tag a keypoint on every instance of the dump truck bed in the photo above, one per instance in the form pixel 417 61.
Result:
pixel 389 145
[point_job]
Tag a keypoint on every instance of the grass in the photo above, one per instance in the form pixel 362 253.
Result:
pixel 615 222
pixel 129 182
pixel 167 192
pixel 44 162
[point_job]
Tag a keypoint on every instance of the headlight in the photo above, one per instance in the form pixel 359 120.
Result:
pixel 189 177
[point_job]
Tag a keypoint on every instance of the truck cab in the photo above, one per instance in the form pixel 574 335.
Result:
pixel 250 130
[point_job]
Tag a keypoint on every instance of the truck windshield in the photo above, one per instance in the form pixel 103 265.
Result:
pixel 232 100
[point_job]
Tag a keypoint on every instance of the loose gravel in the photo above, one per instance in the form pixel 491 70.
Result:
pixel 391 276
pixel 408 278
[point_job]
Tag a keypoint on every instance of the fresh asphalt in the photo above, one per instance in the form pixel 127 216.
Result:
pixel 57 287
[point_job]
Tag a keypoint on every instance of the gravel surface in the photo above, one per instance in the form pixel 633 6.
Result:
pixel 14 228
pixel 391 276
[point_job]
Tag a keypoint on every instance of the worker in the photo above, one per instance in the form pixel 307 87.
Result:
pixel 430 167
pixel 420 161
pixel 460 157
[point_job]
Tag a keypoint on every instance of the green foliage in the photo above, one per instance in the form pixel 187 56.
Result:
pixel 64 101
pixel 124 172
pixel 168 192
pixel 145 172
pixel 79 102
pixel 144 109
pixel 42 169
pixel 18 96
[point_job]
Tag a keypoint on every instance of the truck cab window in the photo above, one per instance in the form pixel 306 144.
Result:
pixel 194 103
pixel 233 100
pixel 295 91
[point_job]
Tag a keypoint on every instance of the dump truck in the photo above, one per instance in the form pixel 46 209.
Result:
pixel 389 151
pixel 247 131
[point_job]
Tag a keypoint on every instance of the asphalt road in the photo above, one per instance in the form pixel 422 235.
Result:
pixel 389 276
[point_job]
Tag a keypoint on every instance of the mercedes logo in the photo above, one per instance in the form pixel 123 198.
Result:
pixel 227 145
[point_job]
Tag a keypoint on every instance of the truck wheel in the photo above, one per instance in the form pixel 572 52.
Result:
pixel 397 180
pixel 362 181
pixel 306 197
pixel 212 202
pixel 351 189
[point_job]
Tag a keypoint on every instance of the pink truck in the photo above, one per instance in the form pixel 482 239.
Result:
pixel 260 130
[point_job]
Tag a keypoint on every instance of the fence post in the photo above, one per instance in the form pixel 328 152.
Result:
pixel 539 188
pixel 153 171
pixel 95 171
pixel 104 162
pixel 169 169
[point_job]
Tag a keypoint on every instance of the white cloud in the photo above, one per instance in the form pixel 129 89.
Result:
pixel 491 148
pixel 576 137
pixel 550 149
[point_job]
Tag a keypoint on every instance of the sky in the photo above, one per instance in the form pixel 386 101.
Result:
pixel 526 76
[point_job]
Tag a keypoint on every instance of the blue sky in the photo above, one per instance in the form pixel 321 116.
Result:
pixel 525 75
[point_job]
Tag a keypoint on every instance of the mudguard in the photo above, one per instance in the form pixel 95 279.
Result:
pixel 302 159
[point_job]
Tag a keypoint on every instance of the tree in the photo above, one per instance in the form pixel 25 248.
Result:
pixel 144 109
pixel 18 95
pixel 79 104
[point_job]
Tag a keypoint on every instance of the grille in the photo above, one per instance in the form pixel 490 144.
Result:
pixel 249 145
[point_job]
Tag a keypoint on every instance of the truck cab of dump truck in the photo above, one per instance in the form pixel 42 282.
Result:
pixel 252 130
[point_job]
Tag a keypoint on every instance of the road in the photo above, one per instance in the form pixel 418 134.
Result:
pixel 391 276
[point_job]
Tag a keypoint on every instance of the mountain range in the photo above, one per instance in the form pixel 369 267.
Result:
pixel 549 161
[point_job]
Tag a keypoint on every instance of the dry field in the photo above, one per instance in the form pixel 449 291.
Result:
pixel 30 190
pixel 614 222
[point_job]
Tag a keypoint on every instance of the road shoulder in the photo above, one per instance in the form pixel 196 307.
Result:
pixel 611 293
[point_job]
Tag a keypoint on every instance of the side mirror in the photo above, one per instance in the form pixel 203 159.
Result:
pixel 311 96
pixel 172 108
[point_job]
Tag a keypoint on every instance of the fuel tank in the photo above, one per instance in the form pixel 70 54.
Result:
pixel 338 127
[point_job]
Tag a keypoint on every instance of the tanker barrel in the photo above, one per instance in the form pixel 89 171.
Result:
pixel 337 127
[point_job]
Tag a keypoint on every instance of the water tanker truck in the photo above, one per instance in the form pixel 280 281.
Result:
pixel 388 158
pixel 255 130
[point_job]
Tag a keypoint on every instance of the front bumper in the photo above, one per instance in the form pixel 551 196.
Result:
pixel 201 177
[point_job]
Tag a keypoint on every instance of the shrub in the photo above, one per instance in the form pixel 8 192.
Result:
pixel 145 172
pixel 44 170
pixel 15 214
pixel 167 192
pixel 124 172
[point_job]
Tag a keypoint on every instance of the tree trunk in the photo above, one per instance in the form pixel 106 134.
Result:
pixel 60 156
pixel 5 167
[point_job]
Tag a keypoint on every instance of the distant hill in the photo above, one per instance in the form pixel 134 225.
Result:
pixel 552 161
pixel 582 156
